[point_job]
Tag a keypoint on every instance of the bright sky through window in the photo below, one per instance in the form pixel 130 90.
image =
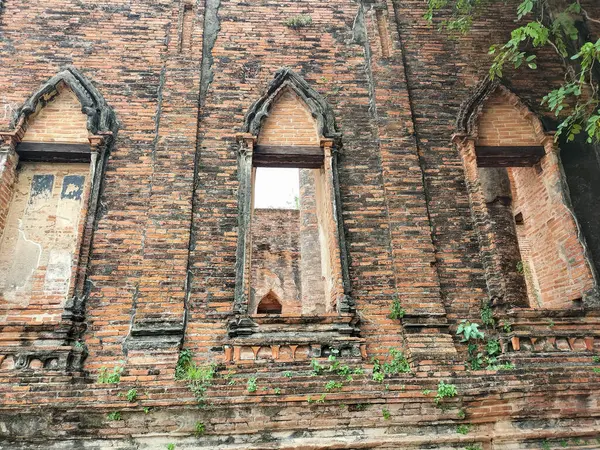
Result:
pixel 277 188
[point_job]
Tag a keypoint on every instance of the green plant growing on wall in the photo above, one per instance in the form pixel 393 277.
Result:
pixel 131 395
pixel 397 312
pixel 199 429
pixel 251 386
pixel 316 366
pixel 469 330
pixel 520 268
pixel 395 364
pixel 487 315
pixel 473 447
pixel 477 359
pixel 170 446
pixel 114 416
pixel 183 363
pixel 386 414
pixel 492 349
pixel 332 385
pixel 378 377
pixel 463 429
pixel 199 377
pixel 445 391
pixel 298 22
pixel 110 377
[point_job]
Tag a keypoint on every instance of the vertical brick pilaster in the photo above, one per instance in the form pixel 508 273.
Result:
pixel 417 282
pixel 159 315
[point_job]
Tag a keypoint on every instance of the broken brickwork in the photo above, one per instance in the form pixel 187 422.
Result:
pixel 180 101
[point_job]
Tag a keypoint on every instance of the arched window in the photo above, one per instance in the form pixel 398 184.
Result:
pixel 51 168
pixel 532 252
pixel 295 249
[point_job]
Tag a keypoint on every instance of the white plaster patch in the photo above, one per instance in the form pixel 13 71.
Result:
pixel 26 260
pixel 58 272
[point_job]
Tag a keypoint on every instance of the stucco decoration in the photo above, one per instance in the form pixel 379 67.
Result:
pixel 101 117
pixel 316 103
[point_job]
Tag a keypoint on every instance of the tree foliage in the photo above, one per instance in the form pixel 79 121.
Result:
pixel 556 24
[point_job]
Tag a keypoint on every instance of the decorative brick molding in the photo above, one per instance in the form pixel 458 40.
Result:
pixel 287 78
pixel 550 331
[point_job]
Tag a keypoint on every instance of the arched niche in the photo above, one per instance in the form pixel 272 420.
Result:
pixel 269 304
pixel 52 164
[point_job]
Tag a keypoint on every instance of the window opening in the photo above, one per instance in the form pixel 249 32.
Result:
pixel 519 219
pixel 290 253
pixel 290 242
pixel 277 188
pixel 39 242
pixel 514 173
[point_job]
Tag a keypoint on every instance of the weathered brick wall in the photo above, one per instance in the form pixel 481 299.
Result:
pixel 556 258
pixel 503 123
pixel 289 123
pixel 311 247
pixel 276 258
pixel 164 251
pixel 61 120
pixel 8 174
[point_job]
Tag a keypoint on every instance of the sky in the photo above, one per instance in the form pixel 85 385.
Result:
pixel 276 188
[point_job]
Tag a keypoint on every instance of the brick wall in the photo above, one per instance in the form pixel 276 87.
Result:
pixel 503 122
pixel 276 258
pixel 312 241
pixel 289 123
pixel 61 120
pixel 8 175
pixel 165 245
pixel 556 259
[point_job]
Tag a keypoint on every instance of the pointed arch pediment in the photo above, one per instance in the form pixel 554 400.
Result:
pixel 316 103
pixel 472 108
pixel 101 118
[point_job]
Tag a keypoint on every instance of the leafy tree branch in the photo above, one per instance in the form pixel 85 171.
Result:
pixel 556 24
